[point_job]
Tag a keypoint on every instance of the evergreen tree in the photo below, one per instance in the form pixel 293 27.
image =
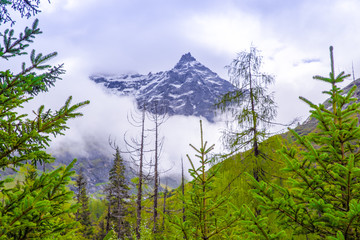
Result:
pixel 101 230
pixel 27 8
pixel 251 107
pixel 117 196
pixel 33 208
pixel 321 199
pixel 83 212
pixel 108 191
pixel 208 216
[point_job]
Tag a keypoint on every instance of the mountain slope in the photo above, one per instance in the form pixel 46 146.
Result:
pixel 189 88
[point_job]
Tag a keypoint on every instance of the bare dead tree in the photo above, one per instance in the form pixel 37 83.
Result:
pixel 158 116
pixel 136 148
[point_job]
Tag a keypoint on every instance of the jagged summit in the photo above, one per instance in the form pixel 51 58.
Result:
pixel 185 60
pixel 187 57
pixel 189 89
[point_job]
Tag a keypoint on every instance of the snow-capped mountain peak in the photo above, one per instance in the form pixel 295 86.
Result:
pixel 185 61
pixel 189 88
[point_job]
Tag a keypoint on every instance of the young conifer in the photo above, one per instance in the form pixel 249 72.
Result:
pixel 322 198
pixel 208 216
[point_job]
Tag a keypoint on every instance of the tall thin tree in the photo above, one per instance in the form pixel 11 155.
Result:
pixel 157 115
pixel 252 109
pixel 136 148
pixel 183 190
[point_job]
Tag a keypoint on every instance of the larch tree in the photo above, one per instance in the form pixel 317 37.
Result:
pixel 32 209
pixel 251 107
pixel 321 199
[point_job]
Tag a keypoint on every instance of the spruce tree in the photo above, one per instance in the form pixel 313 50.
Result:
pixel 33 208
pixel 26 8
pixel 117 196
pixel 83 212
pixel 321 199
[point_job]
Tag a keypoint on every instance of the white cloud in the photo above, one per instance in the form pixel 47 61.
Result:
pixel 227 32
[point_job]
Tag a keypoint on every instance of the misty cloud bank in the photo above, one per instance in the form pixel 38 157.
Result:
pixel 107 117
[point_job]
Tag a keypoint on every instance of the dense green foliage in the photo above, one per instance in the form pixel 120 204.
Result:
pixel 36 206
pixel 322 199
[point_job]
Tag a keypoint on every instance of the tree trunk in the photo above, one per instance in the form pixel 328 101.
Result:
pixel 156 183
pixel 183 190
pixel 164 206
pixel 254 118
pixel 139 194
pixel 119 218
pixel 108 218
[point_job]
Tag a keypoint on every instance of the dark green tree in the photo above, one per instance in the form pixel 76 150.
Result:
pixel 321 199
pixel 83 212
pixel 32 208
pixel 252 109
pixel 117 195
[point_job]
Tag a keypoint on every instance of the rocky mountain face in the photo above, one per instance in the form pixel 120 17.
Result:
pixel 188 89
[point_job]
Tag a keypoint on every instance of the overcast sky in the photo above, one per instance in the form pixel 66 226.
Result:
pixel 115 36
